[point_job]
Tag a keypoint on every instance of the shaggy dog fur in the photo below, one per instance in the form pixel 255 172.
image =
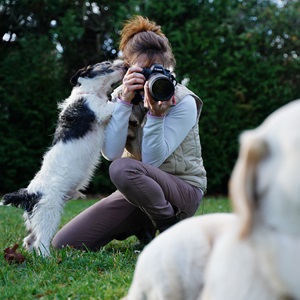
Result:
pixel 70 163
pixel 252 254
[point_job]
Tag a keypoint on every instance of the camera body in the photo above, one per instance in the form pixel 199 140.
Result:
pixel 161 84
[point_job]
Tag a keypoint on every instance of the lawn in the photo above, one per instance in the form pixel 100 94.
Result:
pixel 72 274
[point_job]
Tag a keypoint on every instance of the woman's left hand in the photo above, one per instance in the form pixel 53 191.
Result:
pixel 156 108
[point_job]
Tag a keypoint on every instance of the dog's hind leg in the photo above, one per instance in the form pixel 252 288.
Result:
pixel 45 221
pixel 27 201
pixel 29 240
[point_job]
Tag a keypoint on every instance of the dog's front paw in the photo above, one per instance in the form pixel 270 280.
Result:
pixel 106 113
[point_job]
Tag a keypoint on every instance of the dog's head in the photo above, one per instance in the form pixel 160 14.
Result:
pixel 101 77
pixel 265 185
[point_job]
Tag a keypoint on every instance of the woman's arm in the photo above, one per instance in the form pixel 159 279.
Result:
pixel 162 135
pixel 117 128
pixel 116 131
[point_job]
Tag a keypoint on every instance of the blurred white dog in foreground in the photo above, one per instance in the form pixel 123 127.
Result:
pixel 259 258
pixel 253 255
pixel 172 265
pixel 69 164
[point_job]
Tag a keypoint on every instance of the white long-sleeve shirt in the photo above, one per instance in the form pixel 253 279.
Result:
pixel 161 135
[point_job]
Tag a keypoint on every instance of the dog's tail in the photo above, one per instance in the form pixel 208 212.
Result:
pixel 243 182
pixel 21 199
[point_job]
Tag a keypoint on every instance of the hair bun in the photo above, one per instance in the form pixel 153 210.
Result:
pixel 135 25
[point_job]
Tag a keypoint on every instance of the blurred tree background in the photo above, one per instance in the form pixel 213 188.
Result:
pixel 241 57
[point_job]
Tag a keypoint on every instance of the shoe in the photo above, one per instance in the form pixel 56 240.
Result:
pixel 145 236
pixel 164 224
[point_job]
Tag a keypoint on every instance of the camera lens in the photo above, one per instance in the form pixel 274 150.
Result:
pixel 161 87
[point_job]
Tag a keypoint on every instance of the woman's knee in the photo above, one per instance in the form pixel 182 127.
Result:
pixel 120 169
pixel 58 241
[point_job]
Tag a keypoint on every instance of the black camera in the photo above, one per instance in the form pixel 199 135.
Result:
pixel 161 84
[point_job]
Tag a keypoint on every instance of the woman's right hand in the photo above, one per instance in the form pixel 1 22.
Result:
pixel 133 80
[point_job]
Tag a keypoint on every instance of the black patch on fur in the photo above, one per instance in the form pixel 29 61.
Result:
pixel 22 199
pixel 92 71
pixel 75 122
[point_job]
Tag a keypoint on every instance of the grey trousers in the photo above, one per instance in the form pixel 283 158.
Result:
pixel 143 192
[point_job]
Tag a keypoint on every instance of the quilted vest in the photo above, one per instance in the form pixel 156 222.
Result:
pixel 186 161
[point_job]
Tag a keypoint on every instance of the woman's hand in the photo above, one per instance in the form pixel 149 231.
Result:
pixel 156 108
pixel 133 80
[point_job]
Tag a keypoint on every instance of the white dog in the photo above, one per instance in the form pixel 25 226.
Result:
pixel 253 254
pixel 259 258
pixel 172 265
pixel 71 161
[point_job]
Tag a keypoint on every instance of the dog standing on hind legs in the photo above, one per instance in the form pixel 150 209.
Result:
pixel 70 162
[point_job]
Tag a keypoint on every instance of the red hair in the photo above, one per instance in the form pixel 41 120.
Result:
pixel 141 36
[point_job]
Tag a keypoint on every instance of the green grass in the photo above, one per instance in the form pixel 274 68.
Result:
pixel 72 274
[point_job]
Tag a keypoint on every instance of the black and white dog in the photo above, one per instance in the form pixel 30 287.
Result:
pixel 69 164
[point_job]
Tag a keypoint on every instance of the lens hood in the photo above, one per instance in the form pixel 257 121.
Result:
pixel 161 87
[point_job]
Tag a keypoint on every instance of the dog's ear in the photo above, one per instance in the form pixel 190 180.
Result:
pixel 74 78
pixel 80 73
pixel 243 181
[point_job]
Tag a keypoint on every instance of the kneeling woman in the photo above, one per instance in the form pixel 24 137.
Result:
pixel 156 166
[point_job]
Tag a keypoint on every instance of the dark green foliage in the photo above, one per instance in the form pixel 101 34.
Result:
pixel 241 57
pixel 44 43
pixel 29 92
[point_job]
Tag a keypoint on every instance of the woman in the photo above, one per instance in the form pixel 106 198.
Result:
pixel 160 178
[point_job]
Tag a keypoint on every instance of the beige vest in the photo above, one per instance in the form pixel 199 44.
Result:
pixel 186 161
